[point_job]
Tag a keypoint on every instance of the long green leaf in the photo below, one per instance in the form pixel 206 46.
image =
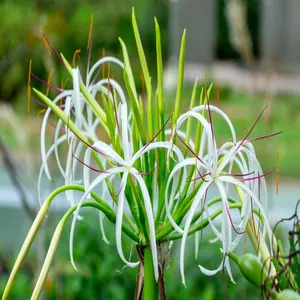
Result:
pixel 178 101
pixel 160 86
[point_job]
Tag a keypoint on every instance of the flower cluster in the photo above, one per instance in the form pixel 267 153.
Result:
pixel 152 171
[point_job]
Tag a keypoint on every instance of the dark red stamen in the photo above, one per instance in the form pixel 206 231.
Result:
pixel 148 173
pixel 244 139
pixel 52 48
pixel 39 103
pixel 259 176
pixel 200 177
pixel 155 136
pixel 90 167
pixel 52 86
pixel 231 222
pixel 237 175
pixel 89 145
pixel 264 136
pixel 96 76
pixel 191 150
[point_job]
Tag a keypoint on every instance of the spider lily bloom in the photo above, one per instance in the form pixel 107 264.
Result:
pixel 125 166
pixel 76 108
pixel 215 167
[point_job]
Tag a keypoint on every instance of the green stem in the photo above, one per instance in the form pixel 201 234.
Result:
pixel 150 285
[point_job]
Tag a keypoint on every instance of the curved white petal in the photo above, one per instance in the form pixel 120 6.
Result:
pixel 51 149
pixel 157 145
pixel 96 182
pixel 187 224
pixel 107 59
pixel 101 220
pixel 114 84
pixel 150 219
pixel 169 199
pixel 119 220
pixel 77 97
pixel 109 151
pixel 220 112
pixel 43 132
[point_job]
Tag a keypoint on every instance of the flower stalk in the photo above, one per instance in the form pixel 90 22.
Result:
pixel 150 284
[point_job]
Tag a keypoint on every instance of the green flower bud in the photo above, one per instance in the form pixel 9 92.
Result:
pixel 252 269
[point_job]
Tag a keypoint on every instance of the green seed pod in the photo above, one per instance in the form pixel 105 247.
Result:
pixel 287 295
pixel 252 270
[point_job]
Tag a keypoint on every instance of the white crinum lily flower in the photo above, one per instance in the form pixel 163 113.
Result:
pixel 125 166
pixel 216 166
pixel 75 107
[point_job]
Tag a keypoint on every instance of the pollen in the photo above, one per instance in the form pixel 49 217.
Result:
pixel 75 55
pixel 42 111
pixel 49 80
pixel 90 32
pixel 46 43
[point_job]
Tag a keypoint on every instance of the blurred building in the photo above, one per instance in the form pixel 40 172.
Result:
pixel 273 46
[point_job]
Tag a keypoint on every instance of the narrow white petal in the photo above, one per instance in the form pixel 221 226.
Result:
pixel 150 219
pixel 197 240
pixel 109 151
pixel 76 97
pixel 69 173
pixel 96 182
pixel 50 151
pixel 211 272
pixel 197 199
pixel 114 84
pixel 43 143
pixel 87 170
pixel 255 201
pixel 119 221
pixel 43 132
pixel 169 199
pixel 101 219
pixel 56 135
pixel 157 145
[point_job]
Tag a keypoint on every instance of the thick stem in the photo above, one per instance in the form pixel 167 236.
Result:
pixel 150 285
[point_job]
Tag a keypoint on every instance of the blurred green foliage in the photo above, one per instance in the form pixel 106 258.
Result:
pixel 66 24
